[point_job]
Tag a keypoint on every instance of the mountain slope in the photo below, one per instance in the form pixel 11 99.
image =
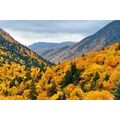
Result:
pixel 12 51
pixel 94 76
pixel 106 36
pixel 52 54
pixel 20 69
pixel 50 51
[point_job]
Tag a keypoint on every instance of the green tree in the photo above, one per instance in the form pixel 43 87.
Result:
pixel 116 92
pixel 96 76
pixel 75 73
pixel 72 76
pixel 33 93
pixel 52 90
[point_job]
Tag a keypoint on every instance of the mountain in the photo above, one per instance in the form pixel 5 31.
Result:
pixel 24 75
pixel 48 45
pixel 20 69
pixel 52 54
pixel 105 36
pixel 12 51
pixel 50 51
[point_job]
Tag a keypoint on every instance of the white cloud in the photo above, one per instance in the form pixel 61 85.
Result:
pixel 28 38
pixel 30 31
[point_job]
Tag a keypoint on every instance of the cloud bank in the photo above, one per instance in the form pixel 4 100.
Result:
pixel 31 31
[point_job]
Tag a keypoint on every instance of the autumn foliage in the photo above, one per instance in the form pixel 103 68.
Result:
pixel 95 76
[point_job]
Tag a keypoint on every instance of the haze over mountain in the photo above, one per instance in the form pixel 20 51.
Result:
pixel 50 50
pixel 105 36
pixel 48 45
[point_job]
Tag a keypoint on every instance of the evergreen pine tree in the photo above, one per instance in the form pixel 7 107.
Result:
pixel 33 93
pixel 116 92
pixel 72 76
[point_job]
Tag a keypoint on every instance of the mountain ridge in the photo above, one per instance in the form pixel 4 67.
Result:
pixel 21 53
pixel 105 36
pixel 48 45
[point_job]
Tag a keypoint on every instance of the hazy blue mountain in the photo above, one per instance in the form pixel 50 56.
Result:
pixel 48 45
pixel 50 51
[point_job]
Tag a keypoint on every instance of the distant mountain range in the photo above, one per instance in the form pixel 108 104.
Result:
pixel 50 50
pixel 57 53
pixel 48 45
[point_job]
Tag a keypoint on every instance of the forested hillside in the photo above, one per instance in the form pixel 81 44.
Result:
pixel 25 75
pixel 11 51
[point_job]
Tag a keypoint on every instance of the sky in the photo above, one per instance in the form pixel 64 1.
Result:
pixel 28 32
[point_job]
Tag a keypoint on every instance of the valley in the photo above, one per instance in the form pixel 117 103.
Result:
pixel 87 70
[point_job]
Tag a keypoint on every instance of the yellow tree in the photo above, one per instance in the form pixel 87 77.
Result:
pixel 99 95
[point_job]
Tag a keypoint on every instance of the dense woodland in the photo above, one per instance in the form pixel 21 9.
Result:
pixel 25 76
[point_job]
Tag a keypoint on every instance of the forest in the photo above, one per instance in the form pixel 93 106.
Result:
pixel 92 76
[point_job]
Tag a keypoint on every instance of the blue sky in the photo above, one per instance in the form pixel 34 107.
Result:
pixel 31 31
